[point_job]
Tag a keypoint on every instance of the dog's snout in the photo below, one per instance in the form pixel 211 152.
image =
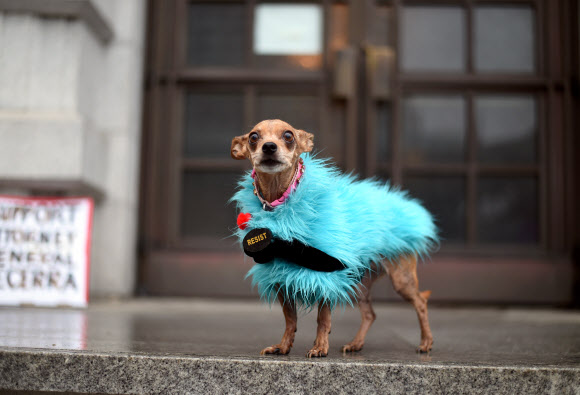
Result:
pixel 269 148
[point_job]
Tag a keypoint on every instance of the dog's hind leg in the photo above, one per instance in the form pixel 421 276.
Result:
pixel 289 310
pixel 366 311
pixel 404 278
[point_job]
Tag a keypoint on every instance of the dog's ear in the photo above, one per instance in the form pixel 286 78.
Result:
pixel 239 149
pixel 305 140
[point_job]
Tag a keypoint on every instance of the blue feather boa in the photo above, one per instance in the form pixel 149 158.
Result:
pixel 359 222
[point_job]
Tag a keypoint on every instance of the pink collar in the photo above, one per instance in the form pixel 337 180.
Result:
pixel 269 206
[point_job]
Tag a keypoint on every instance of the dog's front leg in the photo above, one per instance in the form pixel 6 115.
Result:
pixel 320 348
pixel 289 310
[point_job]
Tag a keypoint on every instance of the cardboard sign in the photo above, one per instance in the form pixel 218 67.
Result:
pixel 45 250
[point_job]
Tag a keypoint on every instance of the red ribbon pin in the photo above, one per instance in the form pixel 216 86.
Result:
pixel 243 219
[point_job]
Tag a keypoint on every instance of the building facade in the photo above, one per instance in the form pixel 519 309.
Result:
pixel 71 89
pixel 468 104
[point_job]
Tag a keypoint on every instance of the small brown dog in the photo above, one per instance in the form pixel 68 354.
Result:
pixel 274 148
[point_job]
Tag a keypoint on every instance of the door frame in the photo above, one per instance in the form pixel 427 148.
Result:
pixel 168 266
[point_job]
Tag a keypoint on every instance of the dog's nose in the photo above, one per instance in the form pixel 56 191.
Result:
pixel 269 148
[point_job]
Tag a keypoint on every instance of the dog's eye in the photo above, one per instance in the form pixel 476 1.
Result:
pixel 254 138
pixel 288 136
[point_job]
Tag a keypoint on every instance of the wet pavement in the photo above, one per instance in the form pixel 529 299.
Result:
pixel 474 337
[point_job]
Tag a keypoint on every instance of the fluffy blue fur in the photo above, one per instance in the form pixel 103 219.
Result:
pixel 359 222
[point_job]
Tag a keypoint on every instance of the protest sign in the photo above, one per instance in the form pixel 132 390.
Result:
pixel 45 250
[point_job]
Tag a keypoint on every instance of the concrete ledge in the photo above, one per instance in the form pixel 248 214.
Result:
pixel 81 9
pixel 209 346
pixel 36 370
pixel 40 187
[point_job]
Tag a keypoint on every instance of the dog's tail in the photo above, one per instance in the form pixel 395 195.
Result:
pixel 425 294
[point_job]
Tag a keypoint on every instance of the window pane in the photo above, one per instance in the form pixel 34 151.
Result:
pixel 278 44
pixel 211 121
pixel 300 111
pixel 433 38
pixel 444 197
pixel 504 39
pixel 433 129
pixel 204 208
pixel 507 129
pixel 380 24
pixel 507 210
pixel 275 34
pixel 216 44
pixel 383 132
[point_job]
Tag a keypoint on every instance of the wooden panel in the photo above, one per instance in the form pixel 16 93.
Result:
pixel 489 280
pixel 196 274
pixel 450 278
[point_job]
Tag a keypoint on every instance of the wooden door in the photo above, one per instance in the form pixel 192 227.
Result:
pixel 464 103
pixel 211 79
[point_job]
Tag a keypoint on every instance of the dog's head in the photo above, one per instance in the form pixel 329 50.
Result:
pixel 273 146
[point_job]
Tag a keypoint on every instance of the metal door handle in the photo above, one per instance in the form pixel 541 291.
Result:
pixel 380 61
pixel 345 74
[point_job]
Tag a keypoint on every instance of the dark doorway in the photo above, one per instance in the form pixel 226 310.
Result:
pixel 465 103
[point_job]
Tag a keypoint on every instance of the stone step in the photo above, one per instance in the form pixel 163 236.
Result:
pixel 200 346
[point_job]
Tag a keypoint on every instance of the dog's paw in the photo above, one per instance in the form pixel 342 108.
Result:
pixel 425 346
pixel 316 352
pixel 423 350
pixel 352 347
pixel 277 350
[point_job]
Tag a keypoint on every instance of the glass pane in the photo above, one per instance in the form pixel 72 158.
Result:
pixel 504 39
pixel 383 132
pixel 444 197
pixel 275 34
pixel 300 111
pixel 507 210
pixel 211 121
pixel 507 129
pixel 216 44
pixel 433 129
pixel 433 38
pixel 278 44
pixel 204 209
pixel 380 25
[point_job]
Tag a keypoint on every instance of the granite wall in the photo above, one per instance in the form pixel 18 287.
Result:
pixel 71 77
